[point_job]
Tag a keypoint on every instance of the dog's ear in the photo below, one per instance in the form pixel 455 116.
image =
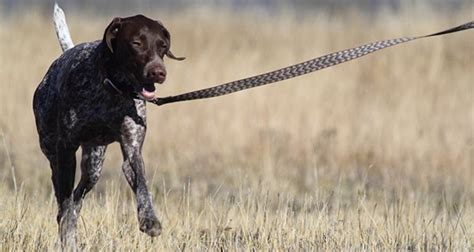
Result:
pixel 171 56
pixel 111 32
pixel 168 53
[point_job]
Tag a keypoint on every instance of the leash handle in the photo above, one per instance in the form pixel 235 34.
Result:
pixel 299 69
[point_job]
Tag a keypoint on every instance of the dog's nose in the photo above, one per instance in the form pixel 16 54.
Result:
pixel 157 74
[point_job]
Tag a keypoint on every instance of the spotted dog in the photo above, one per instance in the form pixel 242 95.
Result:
pixel 94 94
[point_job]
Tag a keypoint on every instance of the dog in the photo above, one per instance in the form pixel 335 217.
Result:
pixel 94 94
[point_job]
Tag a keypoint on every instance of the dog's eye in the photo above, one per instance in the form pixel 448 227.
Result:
pixel 163 44
pixel 136 43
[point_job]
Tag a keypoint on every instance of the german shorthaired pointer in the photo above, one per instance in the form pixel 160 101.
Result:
pixel 88 98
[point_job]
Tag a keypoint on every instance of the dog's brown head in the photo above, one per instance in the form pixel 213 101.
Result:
pixel 138 45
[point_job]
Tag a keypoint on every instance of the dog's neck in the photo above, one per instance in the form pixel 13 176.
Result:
pixel 112 76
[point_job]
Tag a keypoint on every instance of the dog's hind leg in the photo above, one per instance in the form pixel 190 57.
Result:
pixel 91 168
pixel 63 180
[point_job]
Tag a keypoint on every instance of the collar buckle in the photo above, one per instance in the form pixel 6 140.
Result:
pixel 108 83
pixel 111 86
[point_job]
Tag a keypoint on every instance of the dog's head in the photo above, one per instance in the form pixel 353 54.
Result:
pixel 138 45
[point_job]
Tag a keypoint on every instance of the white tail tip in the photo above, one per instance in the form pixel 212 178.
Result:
pixel 62 30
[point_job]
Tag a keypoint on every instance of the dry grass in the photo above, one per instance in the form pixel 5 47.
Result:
pixel 373 154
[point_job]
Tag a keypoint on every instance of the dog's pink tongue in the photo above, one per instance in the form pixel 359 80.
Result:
pixel 148 95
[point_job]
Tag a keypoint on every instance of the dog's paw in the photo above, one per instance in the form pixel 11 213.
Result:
pixel 150 226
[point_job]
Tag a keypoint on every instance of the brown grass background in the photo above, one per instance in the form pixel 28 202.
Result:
pixel 372 154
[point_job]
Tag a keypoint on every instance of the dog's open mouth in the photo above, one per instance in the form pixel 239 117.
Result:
pixel 148 92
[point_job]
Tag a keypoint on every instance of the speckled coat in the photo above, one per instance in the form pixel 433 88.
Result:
pixel 73 99
pixel 74 108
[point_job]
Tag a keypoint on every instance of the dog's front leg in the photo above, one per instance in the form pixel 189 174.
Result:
pixel 132 137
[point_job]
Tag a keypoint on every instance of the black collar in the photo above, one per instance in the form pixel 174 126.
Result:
pixel 109 85
pixel 115 90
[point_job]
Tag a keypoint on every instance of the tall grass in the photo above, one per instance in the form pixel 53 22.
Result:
pixel 373 154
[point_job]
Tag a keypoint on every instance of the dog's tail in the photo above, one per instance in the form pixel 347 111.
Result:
pixel 62 30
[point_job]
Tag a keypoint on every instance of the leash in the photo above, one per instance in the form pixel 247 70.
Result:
pixel 299 69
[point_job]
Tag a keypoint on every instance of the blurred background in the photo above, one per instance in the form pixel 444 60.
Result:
pixel 300 6
pixel 374 153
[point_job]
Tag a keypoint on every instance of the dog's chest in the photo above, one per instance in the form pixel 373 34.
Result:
pixel 103 122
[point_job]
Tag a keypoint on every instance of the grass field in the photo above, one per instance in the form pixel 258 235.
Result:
pixel 373 154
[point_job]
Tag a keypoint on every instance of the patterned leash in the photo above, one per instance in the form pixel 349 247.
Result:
pixel 298 69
